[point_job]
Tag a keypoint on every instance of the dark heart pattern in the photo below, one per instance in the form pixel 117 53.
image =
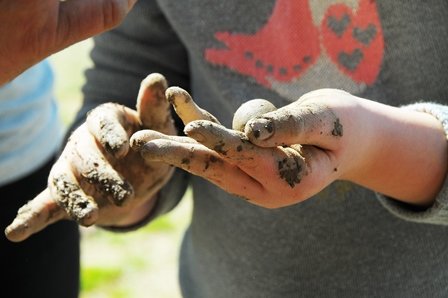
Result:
pixel 338 26
pixel 366 35
pixel 350 60
pixel 353 40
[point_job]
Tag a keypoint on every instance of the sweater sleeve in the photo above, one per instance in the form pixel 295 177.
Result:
pixel 438 212
pixel 122 58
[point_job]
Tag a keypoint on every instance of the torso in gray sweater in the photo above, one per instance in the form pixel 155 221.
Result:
pixel 343 242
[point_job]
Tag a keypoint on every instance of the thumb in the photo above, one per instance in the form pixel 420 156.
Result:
pixel 35 216
pixel 152 107
pixel 80 19
pixel 309 123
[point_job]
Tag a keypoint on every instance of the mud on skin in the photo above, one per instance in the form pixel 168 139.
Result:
pixel 211 159
pixel 220 148
pixel 112 142
pixel 291 170
pixel 76 205
pixel 116 190
pixel 338 128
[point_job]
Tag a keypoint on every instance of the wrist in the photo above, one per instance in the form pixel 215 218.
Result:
pixel 408 156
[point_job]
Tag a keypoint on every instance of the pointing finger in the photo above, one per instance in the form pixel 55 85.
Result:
pixel 141 137
pixel 199 160
pixel 35 216
pixel 228 143
pixel 285 163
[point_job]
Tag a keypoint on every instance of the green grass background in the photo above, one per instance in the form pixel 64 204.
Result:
pixel 115 265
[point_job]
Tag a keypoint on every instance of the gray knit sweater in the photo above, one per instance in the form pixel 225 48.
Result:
pixel 346 241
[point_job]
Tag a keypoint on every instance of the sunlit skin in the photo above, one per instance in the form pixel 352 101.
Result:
pixel 282 158
pixel 32 30
pixel 396 152
pixel 98 179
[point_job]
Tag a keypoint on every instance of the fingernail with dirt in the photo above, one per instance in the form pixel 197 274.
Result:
pixel 260 128
pixel 136 142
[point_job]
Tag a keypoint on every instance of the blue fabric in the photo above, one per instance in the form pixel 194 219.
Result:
pixel 30 129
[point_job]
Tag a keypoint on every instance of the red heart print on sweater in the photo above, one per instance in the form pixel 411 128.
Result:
pixel 354 40
pixel 281 50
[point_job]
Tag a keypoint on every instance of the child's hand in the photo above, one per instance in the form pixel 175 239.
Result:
pixel 341 137
pixel 273 176
pixel 98 179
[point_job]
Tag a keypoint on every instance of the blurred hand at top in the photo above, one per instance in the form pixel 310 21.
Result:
pixel 32 30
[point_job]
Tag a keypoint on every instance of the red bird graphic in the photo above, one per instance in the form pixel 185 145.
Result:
pixel 288 45
pixel 283 49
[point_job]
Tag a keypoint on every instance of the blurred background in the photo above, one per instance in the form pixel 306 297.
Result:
pixel 137 264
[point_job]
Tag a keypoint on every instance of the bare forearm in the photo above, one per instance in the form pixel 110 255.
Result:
pixel 408 154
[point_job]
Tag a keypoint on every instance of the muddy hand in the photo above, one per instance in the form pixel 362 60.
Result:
pixel 264 165
pixel 97 179
pixel 350 138
pixel 330 125
pixel 223 156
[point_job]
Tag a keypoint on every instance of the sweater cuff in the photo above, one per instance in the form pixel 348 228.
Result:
pixel 437 213
pixel 167 198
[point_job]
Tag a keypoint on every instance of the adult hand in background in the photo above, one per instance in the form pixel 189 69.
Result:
pixel 32 30
pixel 98 179
pixel 397 152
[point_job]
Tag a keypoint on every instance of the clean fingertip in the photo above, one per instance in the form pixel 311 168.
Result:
pixel 153 79
pixel 17 231
pixel 21 227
